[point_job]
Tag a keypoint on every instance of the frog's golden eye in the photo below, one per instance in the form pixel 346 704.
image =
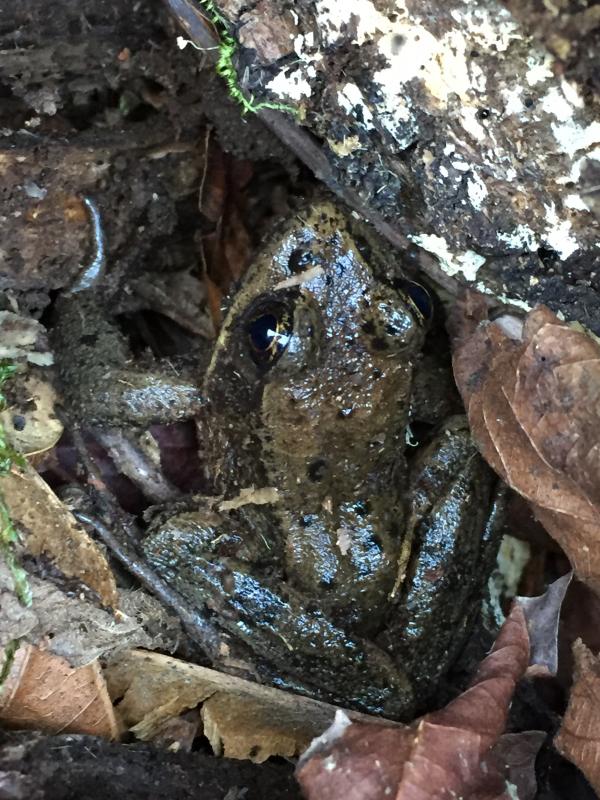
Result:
pixel 269 334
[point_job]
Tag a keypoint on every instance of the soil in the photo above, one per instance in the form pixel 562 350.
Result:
pixel 72 767
pixel 97 101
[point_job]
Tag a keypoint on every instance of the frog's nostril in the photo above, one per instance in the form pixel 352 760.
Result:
pixel 389 325
pixel 394 321
pixel 317 469
pixel 89 339
pixel 369 327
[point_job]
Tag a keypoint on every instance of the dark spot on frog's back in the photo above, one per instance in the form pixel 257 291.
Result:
pixel 317 469
pixel 89 339
pixel 379 343
pixel 364 248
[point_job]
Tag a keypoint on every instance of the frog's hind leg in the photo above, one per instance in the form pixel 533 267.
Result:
pixel 455 519
pixel 205 560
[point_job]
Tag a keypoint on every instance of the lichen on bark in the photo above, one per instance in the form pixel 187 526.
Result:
pixel 453 127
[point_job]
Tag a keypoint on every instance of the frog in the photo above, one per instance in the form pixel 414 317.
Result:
pixel 348 566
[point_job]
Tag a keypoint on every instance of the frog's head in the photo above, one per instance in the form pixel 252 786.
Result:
pixel 319 351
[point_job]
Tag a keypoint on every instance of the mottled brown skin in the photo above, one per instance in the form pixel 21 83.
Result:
pixel 318 582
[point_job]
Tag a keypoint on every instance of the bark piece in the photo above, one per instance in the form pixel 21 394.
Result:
pixel 569 29
pixel 424 117
pixel 242 719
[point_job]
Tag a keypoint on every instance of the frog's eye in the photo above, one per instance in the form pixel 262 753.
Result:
pixel 269 334
pixel 419 298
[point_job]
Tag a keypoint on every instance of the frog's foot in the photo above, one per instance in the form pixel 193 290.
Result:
pixel 284 628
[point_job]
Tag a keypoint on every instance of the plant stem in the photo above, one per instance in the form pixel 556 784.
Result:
pixel 225 66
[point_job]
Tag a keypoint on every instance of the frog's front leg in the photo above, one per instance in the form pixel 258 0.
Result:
pixel 228 565
pixel 455 518
pixel 99 381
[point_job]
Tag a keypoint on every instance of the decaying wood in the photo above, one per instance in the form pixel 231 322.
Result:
pixel 98 102
pixel 450 127
pixel 48 237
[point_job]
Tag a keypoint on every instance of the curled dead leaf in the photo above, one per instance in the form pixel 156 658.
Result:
pixel 241 719
pixel 532 394
pixel 542 614
pixel 42 691
pixel 448 753
pixel 579 736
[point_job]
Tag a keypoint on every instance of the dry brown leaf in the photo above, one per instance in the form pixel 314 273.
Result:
pixel 242 719
pixel 42 691
pixel 534 408
pixel 556 398
pixel 542 614
pixel 34 427
pixel 516 754
pixel 226 720
pixel 445 754
pixel 579 619
pixel 579 735
pixel 49 528
pixel 228 247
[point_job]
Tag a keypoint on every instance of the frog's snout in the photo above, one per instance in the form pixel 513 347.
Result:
pixel 391 326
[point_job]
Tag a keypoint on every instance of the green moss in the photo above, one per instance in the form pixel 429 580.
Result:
pixel 8 455
pixel 9 536
pixel 226 69
pixel 9 656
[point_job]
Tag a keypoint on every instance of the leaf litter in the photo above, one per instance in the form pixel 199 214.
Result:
pixel 531 389
pixel 532 395
pixel 78 649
